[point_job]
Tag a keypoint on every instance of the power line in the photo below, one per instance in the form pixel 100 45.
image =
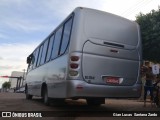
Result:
pixel 142 5
pixel 139 5
pixel 129 9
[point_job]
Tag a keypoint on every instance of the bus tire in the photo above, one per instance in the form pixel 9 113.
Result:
pixel 95 101
pixel 28 96
pixel 58 102
pixel 46 99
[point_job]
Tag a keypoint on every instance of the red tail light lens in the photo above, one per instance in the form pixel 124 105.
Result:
pixel 79 87
pixel 74 65
pixel 74 58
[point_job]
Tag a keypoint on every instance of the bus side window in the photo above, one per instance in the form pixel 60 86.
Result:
pixel 44 51
pixel 35 58
pixel 51 40
pixel 39 55
pixel 66 35
pixel 57 41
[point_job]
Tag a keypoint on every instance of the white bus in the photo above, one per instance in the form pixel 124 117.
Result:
pixel 91 55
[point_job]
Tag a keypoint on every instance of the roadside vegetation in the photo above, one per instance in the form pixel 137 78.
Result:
pixel 150 33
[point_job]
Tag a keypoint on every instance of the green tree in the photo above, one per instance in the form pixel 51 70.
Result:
pixel 150 33
pixel 6 85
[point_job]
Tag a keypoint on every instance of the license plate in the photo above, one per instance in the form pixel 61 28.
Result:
pixel 112 80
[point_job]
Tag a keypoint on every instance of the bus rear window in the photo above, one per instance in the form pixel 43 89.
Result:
pixel 109 27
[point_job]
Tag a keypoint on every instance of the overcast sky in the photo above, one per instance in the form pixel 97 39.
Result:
pixel 25 23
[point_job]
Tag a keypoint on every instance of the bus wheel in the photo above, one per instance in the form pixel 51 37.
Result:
pixel 28 96
pixel 58 102
pixel 46 99
pixel 95 101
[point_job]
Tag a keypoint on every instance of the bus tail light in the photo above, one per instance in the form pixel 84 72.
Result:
pixel 73 73
pixel 74 58
pixel 74 65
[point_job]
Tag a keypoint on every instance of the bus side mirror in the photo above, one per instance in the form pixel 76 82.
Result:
pixel 29 59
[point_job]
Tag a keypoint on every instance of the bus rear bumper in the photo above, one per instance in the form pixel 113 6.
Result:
pixel 82 89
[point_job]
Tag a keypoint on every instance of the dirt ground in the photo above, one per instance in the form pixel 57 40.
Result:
pixel 17 102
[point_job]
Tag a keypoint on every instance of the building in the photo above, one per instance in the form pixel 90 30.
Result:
pixel 14 80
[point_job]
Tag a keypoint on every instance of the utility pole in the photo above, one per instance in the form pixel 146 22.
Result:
pixel 19 79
